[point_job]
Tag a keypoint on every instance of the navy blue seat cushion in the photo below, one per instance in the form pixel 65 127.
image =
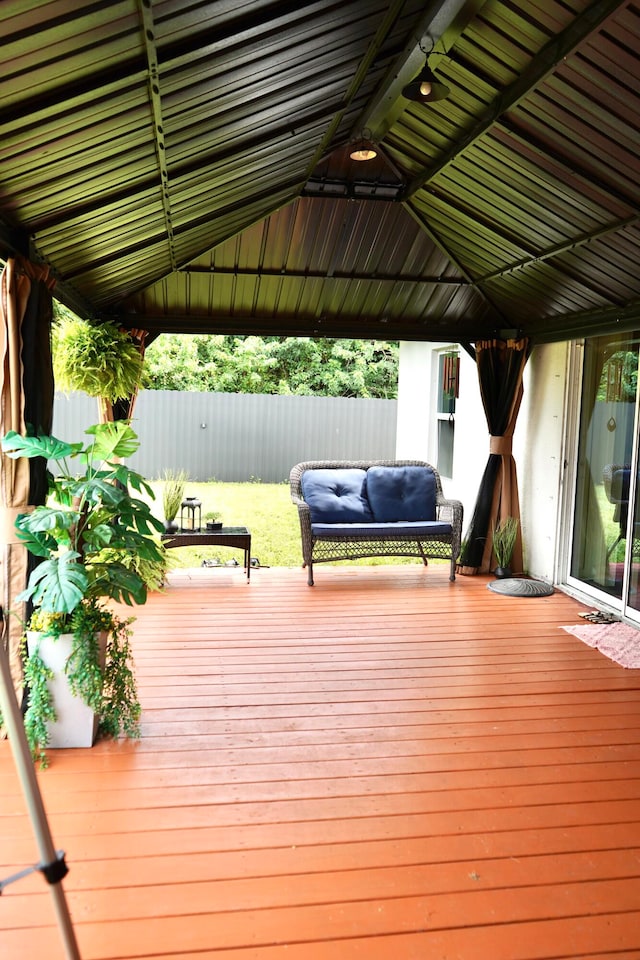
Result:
pixel 411 529
pixel 401 493
pixel 336 495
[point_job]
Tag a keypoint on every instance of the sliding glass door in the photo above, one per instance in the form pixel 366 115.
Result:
pixel 607 495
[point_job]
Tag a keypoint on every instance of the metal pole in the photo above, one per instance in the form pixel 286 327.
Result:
pixel 50 864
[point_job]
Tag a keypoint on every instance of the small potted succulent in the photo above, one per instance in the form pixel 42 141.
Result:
pixel 88 532
pixel 211 520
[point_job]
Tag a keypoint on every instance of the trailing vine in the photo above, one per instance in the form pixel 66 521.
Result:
pixel 84 671
pixel 40 711
pixel 120 710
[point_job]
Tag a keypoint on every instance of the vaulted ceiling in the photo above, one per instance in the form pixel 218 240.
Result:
pixel 183 165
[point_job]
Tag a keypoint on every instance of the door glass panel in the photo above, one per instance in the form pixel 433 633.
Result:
pixel 633 552
pixel 609 387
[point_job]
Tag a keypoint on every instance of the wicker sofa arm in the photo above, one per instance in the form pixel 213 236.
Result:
pixel 451 511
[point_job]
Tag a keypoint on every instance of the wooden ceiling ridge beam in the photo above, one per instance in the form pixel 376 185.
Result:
pixel 153 81
pixel 560 248
pixel 543 64
pixel 393 12
pixel 292 326
pixel 443 21
pixel 283 274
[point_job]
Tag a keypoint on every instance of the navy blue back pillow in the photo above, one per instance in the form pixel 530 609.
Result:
pixel 401 493
pixel 336 496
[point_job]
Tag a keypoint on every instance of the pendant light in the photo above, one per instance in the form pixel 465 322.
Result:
pixel 425 87
pixel 363 148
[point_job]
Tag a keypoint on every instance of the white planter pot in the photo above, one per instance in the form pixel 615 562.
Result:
pixel 77 724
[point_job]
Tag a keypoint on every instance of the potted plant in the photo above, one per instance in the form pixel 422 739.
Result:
pixel 504 539
pixel 211 520
pixel 172 493
pixel 91 524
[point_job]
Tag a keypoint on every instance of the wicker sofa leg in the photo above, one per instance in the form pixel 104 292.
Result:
pixel 310 574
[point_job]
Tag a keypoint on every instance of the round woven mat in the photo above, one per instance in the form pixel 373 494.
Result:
pixel 521 587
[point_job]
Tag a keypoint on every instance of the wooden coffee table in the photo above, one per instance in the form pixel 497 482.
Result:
pixel 224 537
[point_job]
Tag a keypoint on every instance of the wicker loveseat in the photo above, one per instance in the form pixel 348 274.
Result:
pixel 374 508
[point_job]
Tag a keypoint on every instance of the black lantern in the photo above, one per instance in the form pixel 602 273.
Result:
pixel 190 515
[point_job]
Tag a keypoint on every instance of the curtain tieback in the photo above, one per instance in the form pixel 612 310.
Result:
pixel 500 445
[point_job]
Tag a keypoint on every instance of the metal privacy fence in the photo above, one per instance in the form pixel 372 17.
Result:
pixel 241 436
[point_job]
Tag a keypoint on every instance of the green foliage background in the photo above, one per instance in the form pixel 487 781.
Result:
pixel 273 365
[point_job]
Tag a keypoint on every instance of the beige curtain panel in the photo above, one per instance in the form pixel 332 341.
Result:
pixel 25 294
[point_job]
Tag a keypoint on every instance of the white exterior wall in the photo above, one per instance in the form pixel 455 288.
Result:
pixel 539 454
pixel 416 398
pixel 538 443
pixel 417 434
pixel 471 439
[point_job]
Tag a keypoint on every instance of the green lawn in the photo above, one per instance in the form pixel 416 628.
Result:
pixel 266 509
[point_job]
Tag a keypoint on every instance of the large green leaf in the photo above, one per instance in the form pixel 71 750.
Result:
pixel 97 490
pixel 98 537
pixel 139 543
pixel 16 446
pixel 57 585
pixel 136 513
pixel 115 580
pixel 40 545
pixel 138 482
pixel 112 440
pixel 47 518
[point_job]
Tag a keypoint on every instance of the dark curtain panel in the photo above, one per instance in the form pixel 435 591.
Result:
pixel 500 367
pixel 26 400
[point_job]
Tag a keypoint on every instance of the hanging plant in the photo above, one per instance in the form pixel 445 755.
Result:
pixel 97 358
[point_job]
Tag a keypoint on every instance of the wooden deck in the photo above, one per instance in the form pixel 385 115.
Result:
pixel 385 766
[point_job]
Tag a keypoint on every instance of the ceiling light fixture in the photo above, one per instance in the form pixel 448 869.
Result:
pixel 363 148
pixel 426 88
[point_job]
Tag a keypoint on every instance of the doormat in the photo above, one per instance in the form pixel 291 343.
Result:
pixel 521 587
pixel 618 641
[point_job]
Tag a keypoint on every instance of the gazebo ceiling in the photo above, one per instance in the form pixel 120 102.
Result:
pixel 184 166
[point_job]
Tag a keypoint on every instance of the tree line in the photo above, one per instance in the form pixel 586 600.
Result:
pixel 275 365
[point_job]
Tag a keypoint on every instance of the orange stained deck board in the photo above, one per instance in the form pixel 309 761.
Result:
pixel 386 765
